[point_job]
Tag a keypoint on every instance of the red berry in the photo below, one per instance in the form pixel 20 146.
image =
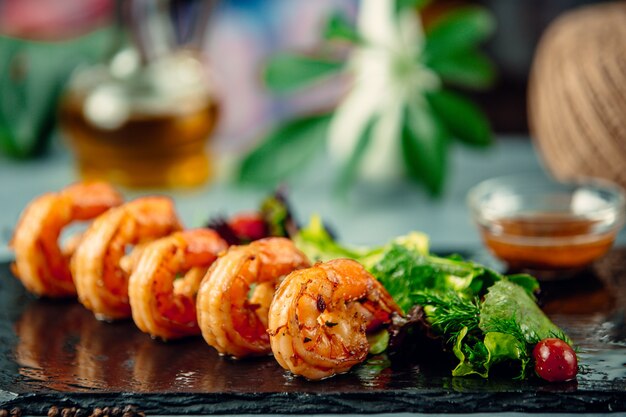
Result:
pixel 555 360
pixel 248 226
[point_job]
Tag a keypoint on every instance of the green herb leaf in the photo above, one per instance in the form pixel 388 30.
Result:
pixel 461 116
pixel 286 72
pixel 508 326
pixel 338 27
pixel 459 30
pixel 424 144
pixel 470 69
pixel 448 312
pixel 285 150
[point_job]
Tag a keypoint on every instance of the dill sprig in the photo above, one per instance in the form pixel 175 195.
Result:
pixel 510 326
pixel 560 334
pixel 447 312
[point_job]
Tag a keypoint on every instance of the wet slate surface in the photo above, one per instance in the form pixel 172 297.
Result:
pixel 56 353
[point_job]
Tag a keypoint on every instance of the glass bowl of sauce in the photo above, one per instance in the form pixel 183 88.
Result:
pixel 546 227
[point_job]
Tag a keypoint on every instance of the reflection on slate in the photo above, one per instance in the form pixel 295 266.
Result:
pixel 56 353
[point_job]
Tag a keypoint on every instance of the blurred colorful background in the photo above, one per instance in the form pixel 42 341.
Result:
pixel 207 95
pixel 239 36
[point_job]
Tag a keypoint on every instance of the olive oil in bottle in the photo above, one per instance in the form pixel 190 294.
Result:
pixel 143 117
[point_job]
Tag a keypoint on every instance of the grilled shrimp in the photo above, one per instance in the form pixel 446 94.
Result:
pixel 101 282
pixel 163 305
pixel 41 265
pixel 234 296
pixel 319 318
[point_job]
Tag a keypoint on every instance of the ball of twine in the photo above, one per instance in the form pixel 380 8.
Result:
pixel 577 94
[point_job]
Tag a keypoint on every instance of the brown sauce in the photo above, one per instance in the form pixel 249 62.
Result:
pixel 547 241
pixel 148 150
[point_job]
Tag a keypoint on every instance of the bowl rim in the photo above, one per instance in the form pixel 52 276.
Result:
pixel 484 217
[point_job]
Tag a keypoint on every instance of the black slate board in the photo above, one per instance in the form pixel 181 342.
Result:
pixel 56 353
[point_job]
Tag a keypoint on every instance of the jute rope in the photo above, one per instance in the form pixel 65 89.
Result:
pixel 577 94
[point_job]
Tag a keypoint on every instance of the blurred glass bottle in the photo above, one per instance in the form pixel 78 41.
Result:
pixel 142 118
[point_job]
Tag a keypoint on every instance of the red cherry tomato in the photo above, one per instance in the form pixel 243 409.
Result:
pixel 555 360
pixel 249 226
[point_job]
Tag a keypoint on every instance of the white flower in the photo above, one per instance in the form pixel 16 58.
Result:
pixel 387 76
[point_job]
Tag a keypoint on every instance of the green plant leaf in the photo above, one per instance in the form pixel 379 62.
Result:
pixel 470 69
pixel 424 145
pixel 32 77
pixel 463 118
pixel 349 170
pixel 285 150
pixel 459 30
pixel 338 27
pixel 414 4
pixel 286 72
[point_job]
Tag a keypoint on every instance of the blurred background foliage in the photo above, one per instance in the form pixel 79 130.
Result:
pixel 42 41
pixel 32 77
pixel 398 104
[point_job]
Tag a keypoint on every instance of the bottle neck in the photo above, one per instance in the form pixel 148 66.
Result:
pixel 147 27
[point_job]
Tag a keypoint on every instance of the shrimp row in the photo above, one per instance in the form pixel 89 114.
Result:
pixel 265 298
pixel 40 262
pixel 94 265
pixel 249 300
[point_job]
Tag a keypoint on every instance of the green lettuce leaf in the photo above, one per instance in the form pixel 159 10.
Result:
pixel 315 241
pixel 319 246
pixel 502 346
pixel 527 282
pixel 478 357
pixel 511 323
pixel 406 273
pixel 378 342
pixel 506 301
pixel 472 358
